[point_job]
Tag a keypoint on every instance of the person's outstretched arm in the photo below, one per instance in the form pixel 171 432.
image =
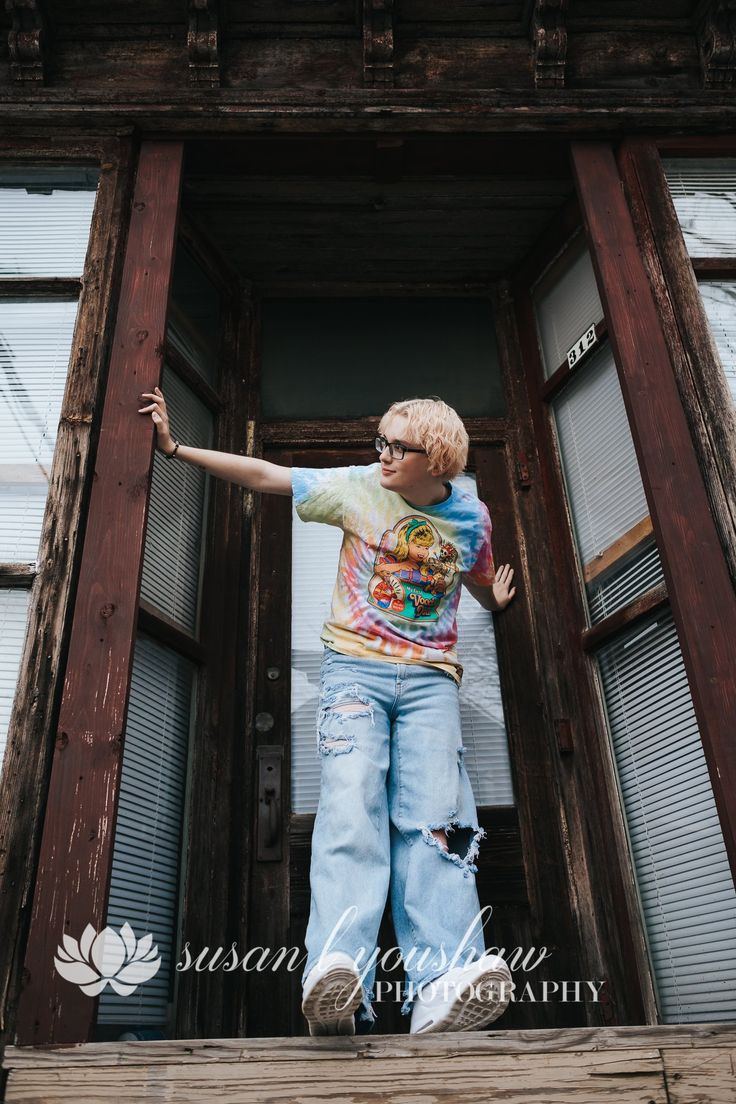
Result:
pixel 248 471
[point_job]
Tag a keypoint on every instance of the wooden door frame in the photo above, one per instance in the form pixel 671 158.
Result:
pixel 596 844
pixel 27 766
pixel 203 1001
pixel 696 572
pixel 534 750
pixel 591 781
pixel 72 884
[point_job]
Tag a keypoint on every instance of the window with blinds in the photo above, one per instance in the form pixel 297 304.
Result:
pixel 617 552
pixel 686 892
pixel 147 857
pixel 315 552
pixel 703 192
pixel 144 887
pixel 719 300
pixel 172 556
pixel 566 304
pixel 45 220
pixel 680 860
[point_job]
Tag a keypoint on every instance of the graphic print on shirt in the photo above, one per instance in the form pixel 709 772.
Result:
pixel 414 570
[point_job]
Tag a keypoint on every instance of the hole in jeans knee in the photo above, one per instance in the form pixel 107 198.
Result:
pixel 341 711
pixel 458 843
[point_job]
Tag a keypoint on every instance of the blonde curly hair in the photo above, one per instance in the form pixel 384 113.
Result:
pixel 438 429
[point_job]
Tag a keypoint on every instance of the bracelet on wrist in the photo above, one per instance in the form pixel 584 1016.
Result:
pixel 172 454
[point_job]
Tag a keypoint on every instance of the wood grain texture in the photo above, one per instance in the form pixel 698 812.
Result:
pixel 25 777
pixel 607 907
pixel 696 572
pixel 341 44
pixel 76 848
pixel 701 381
pixel 689 1038
pixel 630 1065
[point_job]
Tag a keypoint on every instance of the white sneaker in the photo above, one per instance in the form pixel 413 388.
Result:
pixel 450 1004
pixel 332 992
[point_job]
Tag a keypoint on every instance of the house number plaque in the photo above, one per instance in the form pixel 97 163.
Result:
pixel 582 345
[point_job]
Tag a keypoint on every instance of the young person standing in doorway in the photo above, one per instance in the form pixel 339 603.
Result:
pixel 396 811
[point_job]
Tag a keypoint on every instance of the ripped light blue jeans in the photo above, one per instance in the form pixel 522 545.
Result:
pixel 391 754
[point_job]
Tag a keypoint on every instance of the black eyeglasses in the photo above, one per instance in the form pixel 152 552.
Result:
pixel 396 451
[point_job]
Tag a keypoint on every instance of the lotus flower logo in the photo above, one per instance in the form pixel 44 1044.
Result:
pixel 107 958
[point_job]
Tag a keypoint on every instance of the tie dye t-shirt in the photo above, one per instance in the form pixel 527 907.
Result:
pixel 401 566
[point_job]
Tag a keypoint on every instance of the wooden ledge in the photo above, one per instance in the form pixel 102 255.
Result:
pixel 660 1064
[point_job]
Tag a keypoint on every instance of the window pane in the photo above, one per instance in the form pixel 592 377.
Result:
pixel 35 341
pixel 144 886
pixel 315 553
pixel 194 323
pixel 13 618
pixel 685 884
pixel 719 300
pixel 704 194
pixel 603 484
pixel 44 226
pixel 174 537
pixel 487 759
pixel 566 304
pixel 354 357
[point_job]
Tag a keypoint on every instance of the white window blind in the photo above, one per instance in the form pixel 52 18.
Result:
pixel 174 536
pixel 604 487
pixel 719 300
pixel 45 218
pixel 13 619
pixel 44 227
pixel 35 340
pixel 144 888
pixel 315 552
pixel 704 195
pixel 566 305
pixel 684 881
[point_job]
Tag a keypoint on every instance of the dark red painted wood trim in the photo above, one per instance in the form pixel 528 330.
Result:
pixel 75 862
pixel 698 582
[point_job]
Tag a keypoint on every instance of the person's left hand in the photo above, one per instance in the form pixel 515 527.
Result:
pixel 503 592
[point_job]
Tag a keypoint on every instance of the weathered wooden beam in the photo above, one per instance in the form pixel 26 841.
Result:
pixel 24 779
pixel 75 861
pixel 695 569
pixel 361 111
pixel 716 32
pixel 28 41
pixel 378 43
pixel 549 43
pixel 704 390
pixel 204 43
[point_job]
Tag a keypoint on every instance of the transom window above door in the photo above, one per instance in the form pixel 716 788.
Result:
pixel 354 356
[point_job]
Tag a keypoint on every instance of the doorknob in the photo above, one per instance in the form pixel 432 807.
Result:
pixel 268 835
